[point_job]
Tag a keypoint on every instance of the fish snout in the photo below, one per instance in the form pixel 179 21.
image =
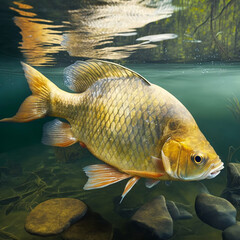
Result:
pixel 216 170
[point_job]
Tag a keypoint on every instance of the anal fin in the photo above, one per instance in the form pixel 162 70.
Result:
pixel 102 175
pixel 59 134
pixel 131 182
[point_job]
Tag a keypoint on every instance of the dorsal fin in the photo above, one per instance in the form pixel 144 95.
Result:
pixel 82 74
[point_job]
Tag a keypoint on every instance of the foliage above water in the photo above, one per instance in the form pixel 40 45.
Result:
pixel 113 29
pixel 207 30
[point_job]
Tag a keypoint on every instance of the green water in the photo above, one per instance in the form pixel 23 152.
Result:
pixel 199 65
pixel 32 172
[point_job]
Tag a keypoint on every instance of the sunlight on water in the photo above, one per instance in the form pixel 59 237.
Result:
pixel 92 30
pixel 96 26
pixel 38 37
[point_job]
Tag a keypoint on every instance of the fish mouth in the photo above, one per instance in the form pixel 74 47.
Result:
pixel 215 171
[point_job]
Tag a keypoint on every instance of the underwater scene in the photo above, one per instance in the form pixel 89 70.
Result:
pixel 129 120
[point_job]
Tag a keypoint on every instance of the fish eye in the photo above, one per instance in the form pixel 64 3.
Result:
pixel 197 159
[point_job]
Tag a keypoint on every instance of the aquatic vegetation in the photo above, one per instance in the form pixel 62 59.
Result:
pixel 68 154
pixel 234 107
pixel 26 194
pixel 7 235
pixel 232 152
pixel 35 186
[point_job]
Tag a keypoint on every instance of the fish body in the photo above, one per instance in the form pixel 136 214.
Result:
pixel 137 128
pixel 124 122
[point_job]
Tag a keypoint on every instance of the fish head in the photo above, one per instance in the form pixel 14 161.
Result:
pixel 190 159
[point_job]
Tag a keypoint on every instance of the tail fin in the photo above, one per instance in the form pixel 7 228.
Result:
pixel 37 105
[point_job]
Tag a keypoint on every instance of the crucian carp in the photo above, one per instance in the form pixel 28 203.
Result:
pixel 138 129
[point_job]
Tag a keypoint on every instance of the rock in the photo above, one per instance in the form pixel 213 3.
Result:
pixel 91 227
pixel 184 214
pixel 123 209
pixel 154 216
pixel 232 232
pixel 215 211
pixel 54 216
pixel 173 210
pixel 233 198
pixel 233 175
pixel 232 191
pixel 177 213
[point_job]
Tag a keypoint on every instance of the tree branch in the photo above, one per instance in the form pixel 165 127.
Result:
pixel 223 9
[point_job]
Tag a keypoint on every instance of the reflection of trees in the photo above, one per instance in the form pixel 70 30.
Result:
pixel 97 26
pixel 212 18
pixel 207 30
pixel 109 29
pixel 39 40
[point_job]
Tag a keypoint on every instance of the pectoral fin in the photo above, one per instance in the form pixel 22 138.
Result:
pixel 102 175
pixel 151 182
pixel 158 163
pixel 57 133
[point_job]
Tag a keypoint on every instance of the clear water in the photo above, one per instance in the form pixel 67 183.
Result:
pixel 204 89
pixel 31 172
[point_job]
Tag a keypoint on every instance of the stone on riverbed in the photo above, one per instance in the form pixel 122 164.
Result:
pixel 233 175
pixel 54 216
pixel 232 191
pixel 177 213
pixel 91 227
pixel 232 232
pixel 184 214
pixel 154 216
pixel 233 198
pixel 215 211
pixel 173 210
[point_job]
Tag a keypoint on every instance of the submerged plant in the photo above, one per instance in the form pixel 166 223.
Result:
pixel 7 235
pixel 69 154
pixel 231 153
pixel 39 185
pixel 234 106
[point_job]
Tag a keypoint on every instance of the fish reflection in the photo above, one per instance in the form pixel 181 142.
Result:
pixel 39 38
pixel 97 27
